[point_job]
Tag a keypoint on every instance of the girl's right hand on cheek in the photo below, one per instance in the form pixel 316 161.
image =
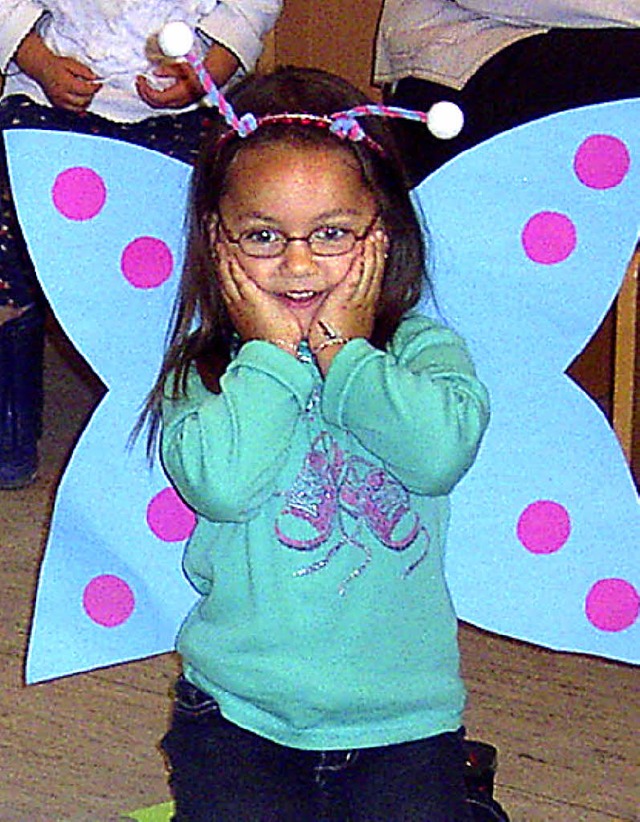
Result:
pixel 255 314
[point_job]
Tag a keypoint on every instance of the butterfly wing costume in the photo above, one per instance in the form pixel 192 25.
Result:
pixel 529 237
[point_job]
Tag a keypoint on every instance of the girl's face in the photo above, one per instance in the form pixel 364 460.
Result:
pixel 282 190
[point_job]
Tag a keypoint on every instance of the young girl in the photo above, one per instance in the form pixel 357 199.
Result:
pixel 316 424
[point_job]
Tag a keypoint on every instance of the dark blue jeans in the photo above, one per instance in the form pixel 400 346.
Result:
pixel 222 773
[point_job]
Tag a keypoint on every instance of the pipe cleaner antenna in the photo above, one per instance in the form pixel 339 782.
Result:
pixel 444 119
pixel 176 40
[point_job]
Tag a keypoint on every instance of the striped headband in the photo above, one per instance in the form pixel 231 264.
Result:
pixel 444 119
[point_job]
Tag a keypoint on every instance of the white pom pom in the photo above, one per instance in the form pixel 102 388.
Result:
pixel 445 120
pixel 175 39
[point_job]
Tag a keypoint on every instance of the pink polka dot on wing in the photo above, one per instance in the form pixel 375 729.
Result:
pixel 612 605
pixel 544 527
pixel 169 518
pixel 146 262
pixel 549 237
pixel 79 193
pixel 602 161
pixel 108 600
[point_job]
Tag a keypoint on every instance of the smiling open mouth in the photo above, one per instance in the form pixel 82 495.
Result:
pixel 300 297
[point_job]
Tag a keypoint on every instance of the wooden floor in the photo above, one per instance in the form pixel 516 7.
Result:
pixel 85 748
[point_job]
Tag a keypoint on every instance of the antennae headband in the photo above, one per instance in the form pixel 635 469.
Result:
pixel 336 123
pixel 444 120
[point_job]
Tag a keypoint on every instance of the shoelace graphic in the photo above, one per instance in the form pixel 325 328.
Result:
pixel 331 485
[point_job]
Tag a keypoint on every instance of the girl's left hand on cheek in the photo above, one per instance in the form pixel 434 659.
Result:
pixel 349 310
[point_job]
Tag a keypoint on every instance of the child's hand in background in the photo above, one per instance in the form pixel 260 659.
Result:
pixel 179 84
pixel 67 82
pixel 349 311
pixel 255 314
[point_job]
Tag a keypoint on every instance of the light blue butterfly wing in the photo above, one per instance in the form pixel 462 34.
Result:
pixel 531 233
pixel 104 225
pixel 533 523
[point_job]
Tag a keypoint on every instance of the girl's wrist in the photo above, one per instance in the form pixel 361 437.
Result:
pixel 332 341
pixel 329 338
pixel 327 351
pixel 221 63
pixel 32 56
pixel 285 345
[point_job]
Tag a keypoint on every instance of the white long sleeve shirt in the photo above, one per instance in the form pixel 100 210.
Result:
pixel 446 41
pixel 116 39
pixel 559 13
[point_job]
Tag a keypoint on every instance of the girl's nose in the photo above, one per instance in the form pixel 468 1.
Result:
pixel 298 257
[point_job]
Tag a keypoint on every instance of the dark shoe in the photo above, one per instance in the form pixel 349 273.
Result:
pixel 481 766
pixel 18 469
pixel 21 349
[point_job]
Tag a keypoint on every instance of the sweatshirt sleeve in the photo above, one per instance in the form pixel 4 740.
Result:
pixel 418 407
pixel 17 18
pixel 240 26
pixel 224 451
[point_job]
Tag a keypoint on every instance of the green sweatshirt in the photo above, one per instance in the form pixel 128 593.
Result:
pixel 324 620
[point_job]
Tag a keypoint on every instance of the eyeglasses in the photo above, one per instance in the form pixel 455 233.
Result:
pixel 268 243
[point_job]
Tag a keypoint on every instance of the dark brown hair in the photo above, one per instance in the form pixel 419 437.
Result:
pixel 201 331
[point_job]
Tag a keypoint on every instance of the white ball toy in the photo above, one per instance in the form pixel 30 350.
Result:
pixel 445 120
pixel 175 39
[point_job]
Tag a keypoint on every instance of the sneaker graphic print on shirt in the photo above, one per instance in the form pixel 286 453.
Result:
pixel 335 497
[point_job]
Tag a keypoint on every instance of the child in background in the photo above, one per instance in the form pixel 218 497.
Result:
pixel 94 67
pixel 504 62
pixel 316 423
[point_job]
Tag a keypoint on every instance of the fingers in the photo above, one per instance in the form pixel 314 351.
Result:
pixel 368 284
pixel 158 97
pixel 361 285
pixel 254 312
pixel 71 84
pixel 177 87
pixel 67 89
pixel 231 275
pixel 176 96
pixel 79 70
pixel 235 288
pixel 350 309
